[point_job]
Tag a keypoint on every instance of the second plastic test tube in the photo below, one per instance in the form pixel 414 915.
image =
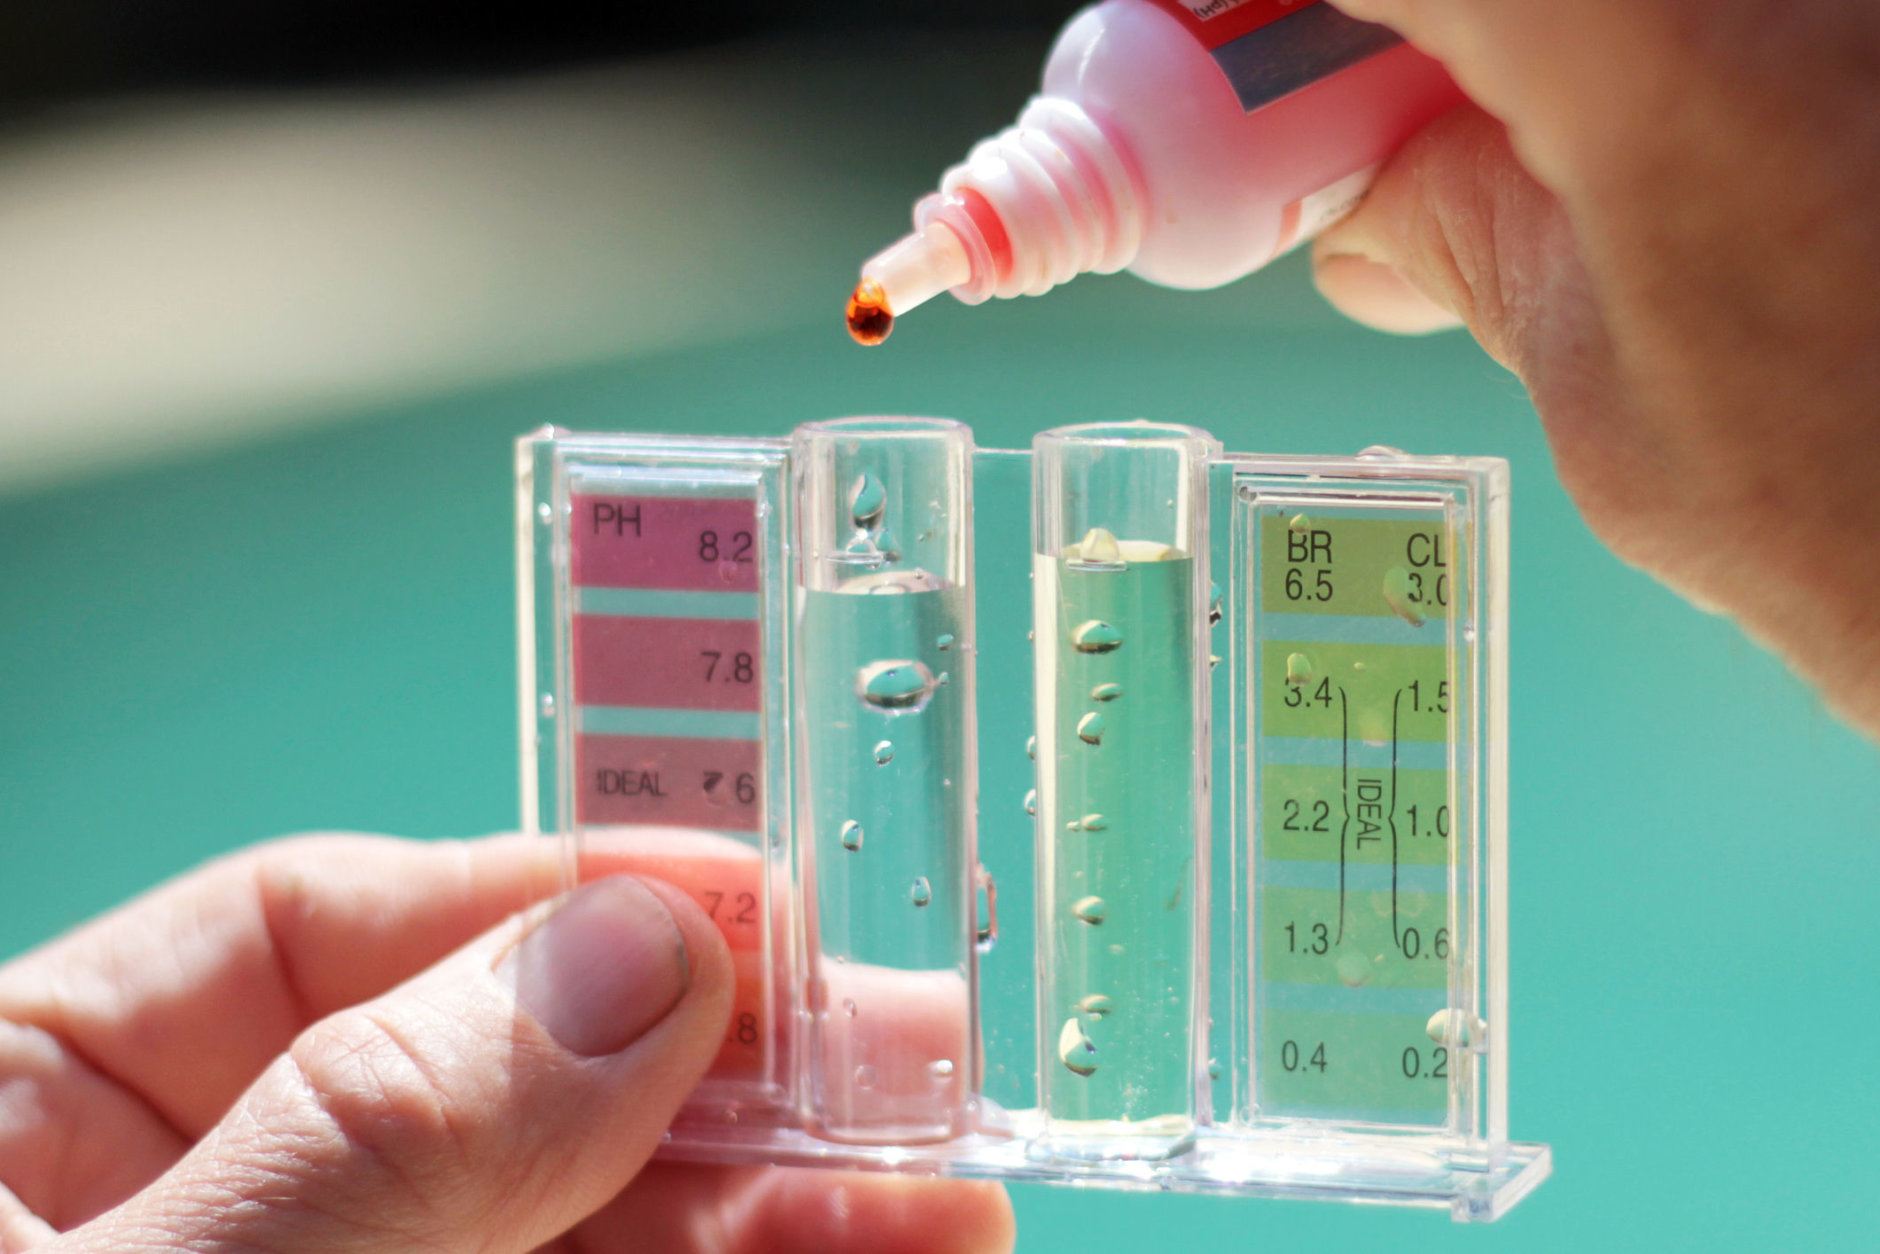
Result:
pixel 885 779
pixel 1120 606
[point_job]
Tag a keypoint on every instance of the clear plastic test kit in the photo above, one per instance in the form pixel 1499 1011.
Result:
pixel 1120 813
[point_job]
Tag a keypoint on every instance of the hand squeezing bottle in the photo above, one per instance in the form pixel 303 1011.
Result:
pixel 1188 141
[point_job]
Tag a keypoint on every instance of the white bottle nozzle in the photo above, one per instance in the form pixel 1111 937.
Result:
pixel 919 267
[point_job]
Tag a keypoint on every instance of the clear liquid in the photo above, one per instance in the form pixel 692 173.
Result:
pixel 889 834
pixel 1117 844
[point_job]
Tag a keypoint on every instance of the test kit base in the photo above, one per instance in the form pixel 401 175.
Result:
pixel 1308 1166
pixel 1122 813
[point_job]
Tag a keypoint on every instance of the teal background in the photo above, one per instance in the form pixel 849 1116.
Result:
pixel 316 631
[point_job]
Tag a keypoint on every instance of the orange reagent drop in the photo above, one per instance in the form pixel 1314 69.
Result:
pixel 869 319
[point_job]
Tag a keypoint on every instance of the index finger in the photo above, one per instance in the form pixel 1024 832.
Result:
pixel 185 994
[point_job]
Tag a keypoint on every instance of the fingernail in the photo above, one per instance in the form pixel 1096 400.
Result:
pixel 600 971
pixel 1377 295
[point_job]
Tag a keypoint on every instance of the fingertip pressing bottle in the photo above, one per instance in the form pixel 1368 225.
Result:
pixel 1187 141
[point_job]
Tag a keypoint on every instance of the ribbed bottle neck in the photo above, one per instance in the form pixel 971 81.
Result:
pixel 1039 203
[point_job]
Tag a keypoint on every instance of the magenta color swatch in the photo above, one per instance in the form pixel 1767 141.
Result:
pixel 692 544
pixel 668 663
pixel 682 782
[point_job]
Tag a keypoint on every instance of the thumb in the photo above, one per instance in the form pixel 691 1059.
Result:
pixel 489 1102
pixel 1456 232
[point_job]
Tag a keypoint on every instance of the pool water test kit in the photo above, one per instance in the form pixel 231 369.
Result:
pixel 1122 812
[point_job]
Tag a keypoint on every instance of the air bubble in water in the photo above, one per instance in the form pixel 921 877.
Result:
pixel 867 500
pixel 1031 801
pixel 941 1069
pixel 1214 1068
pixel 1088 823
pixel 920 892
pixel 849 1007
pixel 1090 910
pixel 1095 636
pixel 865 1077
pixel 851 835
pixel 1090 728
pixel 1106 692
pixel 896 685
pixel 884 752
pixel 944 641
pixel 1298 524
pixel 1074 1049
pixel 1031 748
pixel 1400 598
pixel 1298 669
pixel 1093 1005
pixel 1214 603
pixel 548 705
pixel 545 512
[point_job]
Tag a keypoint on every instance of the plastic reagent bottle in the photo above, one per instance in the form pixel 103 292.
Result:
pixel 1188 141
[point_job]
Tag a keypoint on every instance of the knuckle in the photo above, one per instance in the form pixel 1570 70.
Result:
pixel 385 1100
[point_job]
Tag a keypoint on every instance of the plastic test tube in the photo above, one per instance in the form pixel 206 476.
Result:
pixel 1119 522
pixel 885 783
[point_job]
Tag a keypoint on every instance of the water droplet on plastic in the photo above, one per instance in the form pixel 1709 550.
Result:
pixel 1106 692
pixel 851 835
pixel 1098 550
pixel 861 550
pixel 1354 970
pixel 941 1069
pixel 1116 950
pixel 548 705
pixel 1090 910
pixel 1452 1027
pixel 1090 728
pixel 1031 801
pixel 895 685
pixel 867 500
pixel 1074 1049
pixel 944 641
pixel 1214 603
pixel 884 752
pixel 1031 748
pixel 1298 524
pixel 1093 1005
pixel 920 892
pixel 1399 596
pixel 1298 669
pixel 1095 636
pixel 1377 452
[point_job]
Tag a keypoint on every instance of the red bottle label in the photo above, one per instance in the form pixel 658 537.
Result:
pixel 1272 48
